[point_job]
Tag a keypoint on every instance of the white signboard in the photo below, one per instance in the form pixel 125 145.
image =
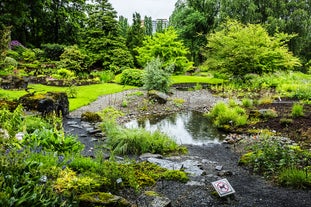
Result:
pixel 223 187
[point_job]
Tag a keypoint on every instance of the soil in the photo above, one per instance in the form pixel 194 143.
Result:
pixel 250 190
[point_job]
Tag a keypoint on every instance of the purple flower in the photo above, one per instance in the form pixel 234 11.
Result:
pixel 15 43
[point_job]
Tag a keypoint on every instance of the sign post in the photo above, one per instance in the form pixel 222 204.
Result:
pixel 223 187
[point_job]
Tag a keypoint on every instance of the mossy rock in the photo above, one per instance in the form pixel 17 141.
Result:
pixel 90 117
pixel 46 103
pixel 102 199
pixel 10 105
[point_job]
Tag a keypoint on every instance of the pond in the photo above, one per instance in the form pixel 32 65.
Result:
pixel 189 127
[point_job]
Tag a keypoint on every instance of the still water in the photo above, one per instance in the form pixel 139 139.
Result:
pixel 185 127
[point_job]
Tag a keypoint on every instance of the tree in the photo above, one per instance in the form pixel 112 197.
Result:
pixel 156 77
pixel 102 40
pixel 148 26
pixel 168 48
pixel 193 20
pixel 135 36
pixel 123 26
pixel 240 49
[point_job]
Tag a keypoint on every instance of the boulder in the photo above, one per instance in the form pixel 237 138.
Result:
pixel 50 102
pixel 158 96
pixel 153 199
pixel 102 199
pixel 13 82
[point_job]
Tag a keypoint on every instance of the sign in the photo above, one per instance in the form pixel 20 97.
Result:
pixel 223 187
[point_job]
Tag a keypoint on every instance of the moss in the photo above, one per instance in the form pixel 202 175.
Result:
pixel 102 199
pixel 91 117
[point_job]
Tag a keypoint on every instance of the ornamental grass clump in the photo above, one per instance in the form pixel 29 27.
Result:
pixel 225 116
pixel 138 141
pixel 297 110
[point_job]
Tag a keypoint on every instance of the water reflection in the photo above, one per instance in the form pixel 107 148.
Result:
pixel 186 127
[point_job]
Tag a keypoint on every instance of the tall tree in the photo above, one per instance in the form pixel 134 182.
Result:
pixel 193 19
pixel 101 38
pixel 135 36
pixel 123 26
pixel 148 26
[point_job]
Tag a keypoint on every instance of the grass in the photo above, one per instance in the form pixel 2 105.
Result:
pixel 195 79
pixel 85 94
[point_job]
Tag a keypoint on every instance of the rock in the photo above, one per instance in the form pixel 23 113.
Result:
pixel 145 156
pixel 219 168
pixel 158 96
pixel 224 173
pixel 50 102
pixel 90 117
pixel 102 199
pixel 153 199
pixel 13 82
pixel 195 183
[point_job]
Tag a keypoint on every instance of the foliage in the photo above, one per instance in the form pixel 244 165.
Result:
pixel 74 59
pixel 239 49
pixel 297 110
pixel 53 140
pixel 137 141
pixel 193 20
pixel 248 103
pixel 15 117
pixel 135 36
pixel 53 51
pixel 167 48
pixel 156 78
pixel 64 73
pixel 21 181
pixel 104 76
pixel 9 64
pixel 297 178
pixel 225 116
pixel 132 77
pixel 269 156
pixel 5 39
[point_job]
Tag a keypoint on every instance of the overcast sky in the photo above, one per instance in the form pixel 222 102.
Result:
pixel 157 9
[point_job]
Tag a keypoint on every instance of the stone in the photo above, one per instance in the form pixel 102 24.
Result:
pixel 224 173
pixel 145 156
pixel 153 199
pixel 47 103
pixel 158 96
pixel 102 199
pixel 218 167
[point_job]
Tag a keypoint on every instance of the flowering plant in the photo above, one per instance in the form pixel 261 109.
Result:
pixel 15 43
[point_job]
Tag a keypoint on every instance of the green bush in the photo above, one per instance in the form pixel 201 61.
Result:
pixel 132 77
pixel 270 156
pixel 64 73
pixel 29 55
pixel 246 102
pixel 53 51
pixel 303 92
pixel 74 59
pixel 156 78
pixel 9 63
pixel 52 140
pixel 225 116
pixel 104 76
pixel 296 178
pixel 297 110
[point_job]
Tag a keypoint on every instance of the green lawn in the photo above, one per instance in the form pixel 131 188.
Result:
pixel 195 79
pixel 85 94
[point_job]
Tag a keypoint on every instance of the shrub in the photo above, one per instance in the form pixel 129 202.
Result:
pixel 270 156
pixel 53 51
pixel 104 76
pixel 74 59
pixel 297 110
pixel 224 116
pixel 9 63
pixel 246 102
pixel 63 73
pixel 132 77
pixel 294 177
pixel 156 78
pixel 303 92
pixel 29 55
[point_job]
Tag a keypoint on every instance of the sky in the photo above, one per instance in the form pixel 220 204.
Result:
pixel 157 9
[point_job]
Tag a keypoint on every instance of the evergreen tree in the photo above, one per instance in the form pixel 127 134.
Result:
pixel 148 26
pixel 101 38
pixel 135 36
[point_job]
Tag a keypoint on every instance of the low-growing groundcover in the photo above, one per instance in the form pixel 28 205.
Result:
pixel 44 167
